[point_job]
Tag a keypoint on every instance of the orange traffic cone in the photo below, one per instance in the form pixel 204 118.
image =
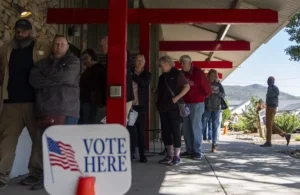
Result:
pixel 225 131
pixel 86 186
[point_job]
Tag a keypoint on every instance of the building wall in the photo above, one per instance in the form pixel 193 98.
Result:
pixel 41 30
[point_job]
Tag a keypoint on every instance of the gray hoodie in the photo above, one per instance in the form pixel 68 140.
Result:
pixel 56 82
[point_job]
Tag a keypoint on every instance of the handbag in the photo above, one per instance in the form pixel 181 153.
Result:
pixel 224 105
pixel 183 110
pixel 48 121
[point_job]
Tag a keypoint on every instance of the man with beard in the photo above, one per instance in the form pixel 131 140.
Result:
pixel 16 61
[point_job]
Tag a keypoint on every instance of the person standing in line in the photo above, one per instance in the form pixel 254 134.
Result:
pixel 194 99
pixel 129 88
pixel 141 80
pixel 172 86
pixel 92 89
pixel 272 104
pixel 17 57
pixel 213 106
pixel 56 81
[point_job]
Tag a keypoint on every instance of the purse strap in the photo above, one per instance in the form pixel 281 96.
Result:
pixel 169 88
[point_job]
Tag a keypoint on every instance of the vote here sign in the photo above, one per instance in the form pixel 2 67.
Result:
pixel 101 151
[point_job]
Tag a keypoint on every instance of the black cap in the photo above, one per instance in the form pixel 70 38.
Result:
pixel 23 24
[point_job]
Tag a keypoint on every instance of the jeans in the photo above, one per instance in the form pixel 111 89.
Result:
pixel 71 120
pixel 89 114
pixel 208 131
pixel 215 117
pixel 192 128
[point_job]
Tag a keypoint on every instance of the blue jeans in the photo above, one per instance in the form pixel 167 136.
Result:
pixel 215 117
pixel 71 120
pixel 192 128
pixel 208 131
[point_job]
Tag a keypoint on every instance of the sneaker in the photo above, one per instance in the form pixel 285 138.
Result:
pixel 30 180
pixel 267 144
pixel 197 156
pixel 38 186
pixel 3 185
pixel 288 138
pixel 186 155
pixel 166 160
pixel 175 161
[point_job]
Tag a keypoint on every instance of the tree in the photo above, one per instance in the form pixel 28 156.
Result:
pixel 293 29
pixel 250 115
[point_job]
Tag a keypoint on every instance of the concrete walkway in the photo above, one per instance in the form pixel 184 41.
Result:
pixel 238 168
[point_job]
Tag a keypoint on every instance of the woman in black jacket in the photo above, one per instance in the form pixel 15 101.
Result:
pixel 171 79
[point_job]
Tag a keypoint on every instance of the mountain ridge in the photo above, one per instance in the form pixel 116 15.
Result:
pixel 236 92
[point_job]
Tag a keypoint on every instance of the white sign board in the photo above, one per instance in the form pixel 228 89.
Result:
pixel 262 117
pixel 102 151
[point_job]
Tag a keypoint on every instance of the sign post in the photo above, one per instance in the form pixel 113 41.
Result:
pixel 98 154
pixel 262 123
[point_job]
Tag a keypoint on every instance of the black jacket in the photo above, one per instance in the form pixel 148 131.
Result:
pixel 56 82
pixel 143 80
pixel 164 97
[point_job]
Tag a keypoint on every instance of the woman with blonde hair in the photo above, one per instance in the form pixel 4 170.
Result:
pixel 213 106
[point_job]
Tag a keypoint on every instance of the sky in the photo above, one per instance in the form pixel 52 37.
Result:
pixel 269 60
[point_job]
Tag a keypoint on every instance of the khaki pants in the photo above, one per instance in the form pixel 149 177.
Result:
pixel 13 120
pixel 271 127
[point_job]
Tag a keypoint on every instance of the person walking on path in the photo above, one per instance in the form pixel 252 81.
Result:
pixel 272 104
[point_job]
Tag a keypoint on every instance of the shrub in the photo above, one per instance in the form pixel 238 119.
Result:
pixel 240 126
pixel 297 138
pixel 287 122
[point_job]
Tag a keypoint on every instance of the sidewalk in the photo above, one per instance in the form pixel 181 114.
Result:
pixel 238 168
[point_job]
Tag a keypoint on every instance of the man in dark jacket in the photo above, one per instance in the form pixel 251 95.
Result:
pixel 129 89
pixel 195 97
pixel 272 104
pixel 17 57
pixel 56 81
pixel 141 81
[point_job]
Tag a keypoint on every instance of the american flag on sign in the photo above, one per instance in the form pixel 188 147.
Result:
pixel 62 155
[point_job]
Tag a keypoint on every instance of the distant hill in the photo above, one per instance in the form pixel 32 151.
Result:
pixel 246 92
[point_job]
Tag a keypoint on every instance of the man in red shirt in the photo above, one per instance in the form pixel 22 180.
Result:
pixel 194 99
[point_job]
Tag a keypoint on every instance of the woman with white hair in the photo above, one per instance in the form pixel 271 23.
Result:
pixel 172 86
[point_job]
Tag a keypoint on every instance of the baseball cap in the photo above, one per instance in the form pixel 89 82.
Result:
pixel 23 24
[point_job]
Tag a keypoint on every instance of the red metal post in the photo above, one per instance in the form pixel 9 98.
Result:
pixel 164 16
pixel 145 50
pixel 117 57
pixel 209 64
pixel 204 46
